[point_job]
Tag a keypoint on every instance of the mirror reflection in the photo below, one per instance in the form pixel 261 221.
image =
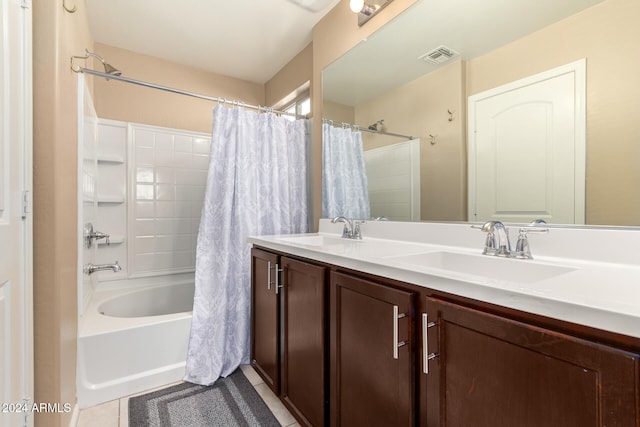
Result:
pixel 396 81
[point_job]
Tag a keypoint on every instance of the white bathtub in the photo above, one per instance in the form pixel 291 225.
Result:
pixel 133 340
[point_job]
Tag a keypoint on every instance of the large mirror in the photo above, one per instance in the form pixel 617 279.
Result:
pixel 390 77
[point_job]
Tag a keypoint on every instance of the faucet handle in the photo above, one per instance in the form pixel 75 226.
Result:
pixel 357 233
pixel 490 243
pixel 523 249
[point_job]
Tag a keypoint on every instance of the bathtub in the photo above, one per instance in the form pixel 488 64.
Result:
pixel 131 340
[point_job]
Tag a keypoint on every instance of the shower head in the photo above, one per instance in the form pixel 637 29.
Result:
pixel 108 68
pixel 377 126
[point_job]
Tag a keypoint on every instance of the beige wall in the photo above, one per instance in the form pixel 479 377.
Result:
pixel 334 35
pixel 127 102
pixel 420 108
pixel 607 36
pixel 292 76
pixel 338 112
pixel 57 35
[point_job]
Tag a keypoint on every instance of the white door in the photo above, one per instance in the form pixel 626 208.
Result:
pixel 527 149
pixel 16 359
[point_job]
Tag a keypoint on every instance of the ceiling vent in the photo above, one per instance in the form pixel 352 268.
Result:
pixel 439 55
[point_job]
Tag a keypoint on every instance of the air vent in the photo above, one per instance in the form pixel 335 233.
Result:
pixel 439 55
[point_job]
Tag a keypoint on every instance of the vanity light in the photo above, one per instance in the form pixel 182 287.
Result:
pixel 367 10
pixel 356 5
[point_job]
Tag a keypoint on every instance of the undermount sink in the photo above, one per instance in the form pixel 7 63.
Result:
pixel 487 267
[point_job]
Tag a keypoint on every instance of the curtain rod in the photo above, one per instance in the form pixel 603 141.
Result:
pixel 184 92
pixel 331 122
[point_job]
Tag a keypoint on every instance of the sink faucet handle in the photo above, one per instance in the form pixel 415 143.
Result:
pixel 357 233
pixel 523 249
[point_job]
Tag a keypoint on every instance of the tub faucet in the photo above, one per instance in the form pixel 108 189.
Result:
pixel 92 268
pixel 351 228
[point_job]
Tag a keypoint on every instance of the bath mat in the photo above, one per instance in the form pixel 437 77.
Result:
pixel 231 401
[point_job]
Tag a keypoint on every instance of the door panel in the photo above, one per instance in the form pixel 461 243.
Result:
pixel 16 301
pixel 526 150
pixel 303 342
pixel 493 371
pixel 369 387
pixel 265 309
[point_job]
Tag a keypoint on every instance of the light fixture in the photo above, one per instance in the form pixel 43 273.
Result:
pixel 356 5
pixel 367 10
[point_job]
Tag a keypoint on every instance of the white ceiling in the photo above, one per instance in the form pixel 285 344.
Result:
pixel 471 27
pixel 247 39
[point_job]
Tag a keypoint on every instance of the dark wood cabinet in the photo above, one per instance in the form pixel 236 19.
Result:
pixel 493 371
pixel 345 348
pixel 303 361
pixel 371 362
pixel 265 313
pixel 289 332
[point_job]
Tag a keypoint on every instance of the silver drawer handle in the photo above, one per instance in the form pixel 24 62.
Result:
pixel 426 356
pixel 269 282
pixel 278 285
pixel 397 344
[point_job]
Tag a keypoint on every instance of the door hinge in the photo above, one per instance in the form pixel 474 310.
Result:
pixel 25 4
pixel 26 403
pixel 26 204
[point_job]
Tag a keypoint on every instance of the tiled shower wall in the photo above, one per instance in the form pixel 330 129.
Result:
pixel 152 207
pixel 168 175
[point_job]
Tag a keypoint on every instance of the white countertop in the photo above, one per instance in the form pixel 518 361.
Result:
pixel 603 294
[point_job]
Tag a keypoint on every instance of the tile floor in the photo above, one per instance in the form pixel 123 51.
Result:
pixel 116 412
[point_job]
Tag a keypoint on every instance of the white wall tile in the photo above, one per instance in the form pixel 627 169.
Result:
pixel 170 170
pixel 183 143
pixel 144 156
pixel 165 192
pixel 145 174
pixel 145 245
pixel 144 227
pixel 165 209
pixel 201 161
pixel 144 138
pixel 144 209
pixel 164 141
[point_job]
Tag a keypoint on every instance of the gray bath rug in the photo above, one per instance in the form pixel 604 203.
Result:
pixel 231 401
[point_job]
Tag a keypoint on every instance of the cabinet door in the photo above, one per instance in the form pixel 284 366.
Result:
pixel 303 365
pixel 371 374
pixel 493 371
pixel 265 309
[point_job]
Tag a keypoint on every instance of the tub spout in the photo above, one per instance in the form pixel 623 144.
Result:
pixel 92 268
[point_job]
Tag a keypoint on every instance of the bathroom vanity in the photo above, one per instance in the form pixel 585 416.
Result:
pixel 412 325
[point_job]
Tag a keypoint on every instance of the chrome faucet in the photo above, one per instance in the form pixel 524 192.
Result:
pixel 351 228
pixel 92 268
pixel 498 244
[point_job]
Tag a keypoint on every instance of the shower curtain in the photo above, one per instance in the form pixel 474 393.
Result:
pixel 344 178
pixel 256 184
